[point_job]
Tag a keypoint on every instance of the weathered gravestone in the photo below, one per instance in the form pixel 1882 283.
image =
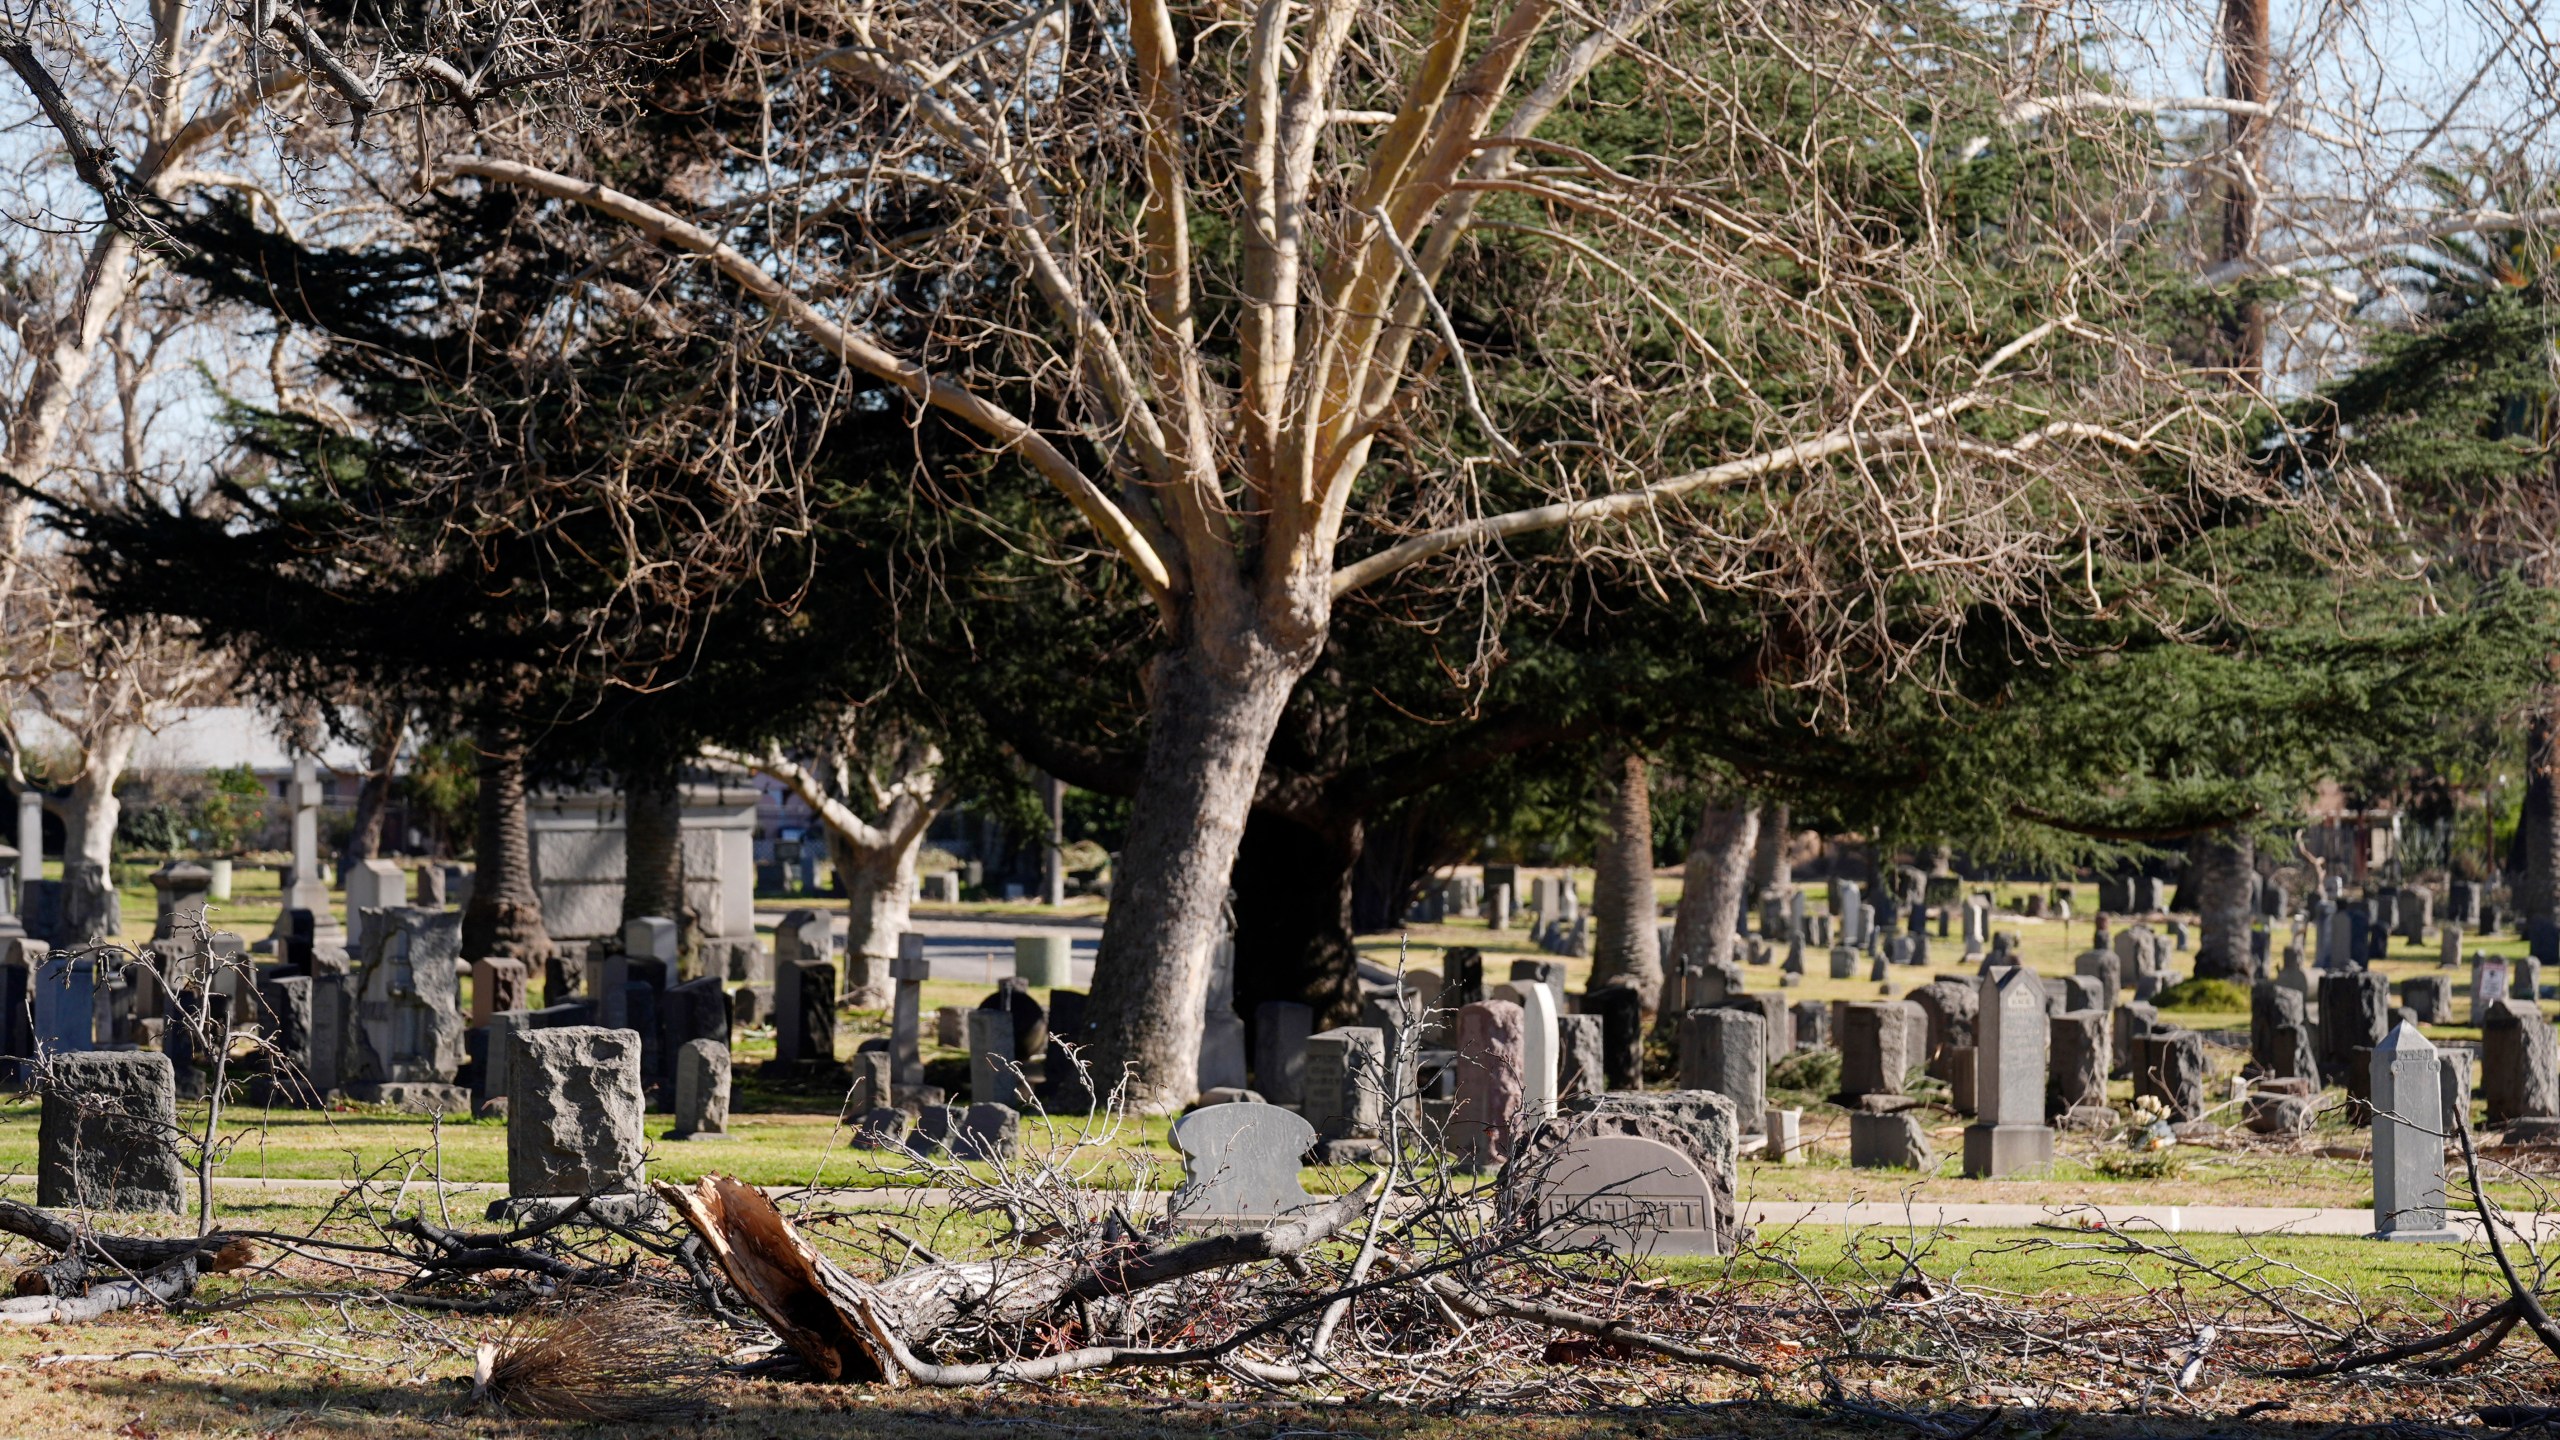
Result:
pixel 2429 998
pixel 1810 1022
pixel 702 1089
pixel 574 1112
pixel 994 1076
pixel 1891 1141
pixel 2076 1075
pixel 2488 986
pixel 874 1079
pixel 1725 1051
pixel 408 1031
pixel 1241 1161
pixel 2355 1012
pixel 2103 967
pixel 1581 1067
pixel 1346 1092
pixel 499 983
pixel 1878 1047
pixel 1632 1195
pixel 1777 1021
pixel 804 1004
pixel 492 1051
pixel 1949 1007
pixel 906 1014
pixel 1280 1032
pixel 2519 1065
pixel 1486 1119
pixel 107 1136
pixel 2012 1035
pixel 987 1131
pixel 2169 1066
pixel 1698 1123
pixel 2409 1133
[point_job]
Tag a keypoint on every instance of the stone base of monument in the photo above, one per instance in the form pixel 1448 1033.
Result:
pixel 625 1207
pixel 1994 1151
pixel 1888 1142
pixel 416 1097
pixel 2087 1120
pixel 2438 1236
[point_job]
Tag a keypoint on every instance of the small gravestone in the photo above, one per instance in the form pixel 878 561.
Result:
pixel 2524 982
pixel 950 1026
pixel 702 1089
pixel 1241 1161
pixel 1784 1130
pixel 1346 1082
pixel 574 1112
pixel 1892 1141
pixel 994 1077
pixel 1844 963
pixel 2489 984
pixel 935 1125
pixel 1634 1195
pixel 2076 1079
pixel 1580 1066
pixel 2429 998
pixel 694 1010
pixel 2519 1065
pixel 874 1080
pixel 1811 1024
pixel 107 1136
pixel 1280 1032
pixel 2083 992
pixel 2169 1066
pixel 2271 1007
pixel 1486 1118
pixel 499 983
pixel 1621 1012
pixel 1464 968
pixel 989 1132
pixel 2409 1133
pixel 1725 1051
pixel 492 1049
pixel 2131 1021
pixel 1878 1047
pixel 880 1128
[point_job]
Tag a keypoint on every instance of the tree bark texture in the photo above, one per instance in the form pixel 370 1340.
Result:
pixel 2224 863
pixel 1293 888
pixel 1211 716
pixel 879 889
pixel 2538 888
pixel 653 849
pixel 373 798
pixel 1770 873
pixel 90 814
pixel 1712 891
pixel 2245 79
pixel 505 914
pixel 1624 945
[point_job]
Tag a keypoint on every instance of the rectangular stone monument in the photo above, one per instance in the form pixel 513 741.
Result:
pixel 498 984
pixel 1621 1012
pixel 1346 1087
pixel 2489 984
pixel 1726 1051
pixel 1045 961
pixel 994 1075
pixel 2012 1037
pixel 1486 1118
pixel 906 1010
pixel 804 1012
pixel 1879 1045
pixel 1581 1067
pixel 107 1135
pixel 694 1010
pixel 2409 1133
pixel 1632 1195
pixel 2519 1065
pixel 702 1089
pixel 1281 1029
pixel 574 1109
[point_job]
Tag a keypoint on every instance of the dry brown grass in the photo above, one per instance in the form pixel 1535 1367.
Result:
pixel 621 1358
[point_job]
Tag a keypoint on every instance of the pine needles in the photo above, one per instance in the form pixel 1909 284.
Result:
pixel 621 1358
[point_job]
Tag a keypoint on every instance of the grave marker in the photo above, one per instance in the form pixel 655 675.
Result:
pixel 1637 1196
pixel 1241 1160
pixel 2012 1036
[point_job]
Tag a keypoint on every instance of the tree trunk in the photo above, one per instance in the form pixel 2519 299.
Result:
pixel 505 914
pixel 1624 945
pixel 2538 888
pixel 1770 873
pixel 879 889
pixel 373 798
pixel 653 849
pixel 2245 80
pixel 1712 881
pixel 1211 717
pixel 2224 863
pixel 90 912
pixel 1293 917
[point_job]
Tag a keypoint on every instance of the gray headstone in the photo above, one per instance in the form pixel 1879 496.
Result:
pixel 987 1131
pixel 2133 1020
pixel 907 973
pixel 498 983
pixel 875 1080
pixel 1345 1082
pixel 1621 1012
pixel 880 1128
pixel 1726 1051
pixel 107 1137
pixel 2429 997
pixel 1878 1048
pixel 2408 1139
pixel 702 1088
pixel 2170 1065
pixel 2489 985
pixel 2078 1061
pixel 1582 1066
pixel 1888 1142
pixel 1812 1024
pixel 1637 1196
pixel 574 1113
pixel 2355 1011
pixel 1241 1160
pixel 694 1010
pixel 1280 1032
pixel 804 1005
pixel 2012 1034
pixel 2519 1065
pixel 994 1074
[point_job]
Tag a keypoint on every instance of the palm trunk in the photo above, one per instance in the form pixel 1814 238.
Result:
pixel 2224 862
pixel 1211 718
pixel 653 849
pixel 90 911
pixel 879 888
pixel 1624 945
pixel 505 914
pixel 1712 881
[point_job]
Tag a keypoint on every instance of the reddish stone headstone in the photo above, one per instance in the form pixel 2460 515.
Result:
pixel 1492 1039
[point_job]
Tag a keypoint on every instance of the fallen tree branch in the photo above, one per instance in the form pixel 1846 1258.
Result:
pixel 1618 1332
pixel 218 1253
pixel 159 1287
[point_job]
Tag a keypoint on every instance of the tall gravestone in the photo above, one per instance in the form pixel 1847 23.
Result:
pixel 906 1010
pixel 1222 1057
pixel 804 1012
pixel 1281 1029
pixel 2076 1062
pixel 702 1089
pixel 1581 1068
pixel 2409 1133
pixel 1486 1119
pixel 994 1076
pixel 2012 1039
pixel 2355 1011
pixel 1621 1012
pixel 1878 1048
pixel 1725 1051
pixel 304 891
pixel 1541 1037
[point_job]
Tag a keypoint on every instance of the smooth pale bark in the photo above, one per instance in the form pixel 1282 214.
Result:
pixel 1625 947
pixel 505 914
pixel 2538 889
pixel 876 860
pixel 1713 879
pixel 653 850
pixel 90 912
pixel 373 799
pixel 2223 864
pixel 1769 869
pixel 1210 718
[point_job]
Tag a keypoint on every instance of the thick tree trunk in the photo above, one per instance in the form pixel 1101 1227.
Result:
pixel 1712 882
pixel 2538 888
pixel 2224 863
pixel 373 798
pixel 90 912
pixel 505 914
pixel 879 888
pixel 1211 717
pixel 653 849
pixel 1293 917
pixel 1624 945
pixel 1769 869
